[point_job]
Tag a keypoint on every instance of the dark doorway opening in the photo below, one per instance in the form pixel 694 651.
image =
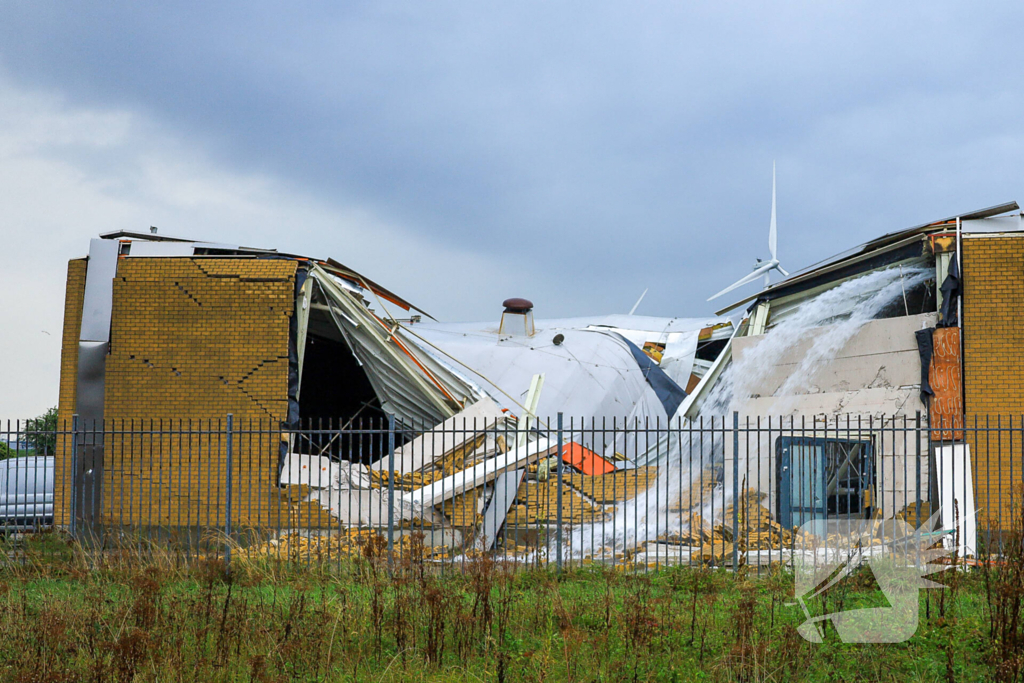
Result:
pixel 339 412
pixel 334 387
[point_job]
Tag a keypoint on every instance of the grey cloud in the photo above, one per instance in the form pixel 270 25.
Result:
pixel 611 146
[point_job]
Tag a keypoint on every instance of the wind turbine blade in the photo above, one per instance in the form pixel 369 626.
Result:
pixel 633 310
pixel 782 270
pixel 749 278
pixel 773 237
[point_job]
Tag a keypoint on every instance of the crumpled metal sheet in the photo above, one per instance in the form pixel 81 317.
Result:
pixel 417 395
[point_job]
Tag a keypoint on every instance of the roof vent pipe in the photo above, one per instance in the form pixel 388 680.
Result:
pixel 517 318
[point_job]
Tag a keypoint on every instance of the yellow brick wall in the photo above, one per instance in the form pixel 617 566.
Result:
pixel 200 338
pixel 994 365
pixel 74 295
pixel 193 339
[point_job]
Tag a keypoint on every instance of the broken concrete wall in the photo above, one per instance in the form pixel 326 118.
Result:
pixel 865 392
pixel 882 354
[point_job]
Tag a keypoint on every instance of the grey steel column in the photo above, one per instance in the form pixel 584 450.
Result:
pixel 228 444
pixel 74 473
pixel 917 459
pixel 93 341
pixel 391 486
pixel 558 530
pixel 735 490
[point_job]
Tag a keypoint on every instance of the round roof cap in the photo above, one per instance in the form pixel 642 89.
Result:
pixel 517 305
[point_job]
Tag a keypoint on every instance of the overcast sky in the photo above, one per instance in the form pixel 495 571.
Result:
pixel 461 153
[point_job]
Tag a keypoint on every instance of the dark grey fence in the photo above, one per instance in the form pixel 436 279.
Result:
pixel 716 491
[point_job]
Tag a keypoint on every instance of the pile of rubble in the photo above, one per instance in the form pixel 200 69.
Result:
pixel 713 542
pixel 344 544
pixel 478 482
pixel 760 538
pixel 914 514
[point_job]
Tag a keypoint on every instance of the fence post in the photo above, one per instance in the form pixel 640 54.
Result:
pixel 558 529
pixel 229 443
pixel 391 487
pixel 74 474
pixel 917 460
pixel 735 490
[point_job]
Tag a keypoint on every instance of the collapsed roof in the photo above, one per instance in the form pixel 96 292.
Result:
pixel 608 368
pixel 601 368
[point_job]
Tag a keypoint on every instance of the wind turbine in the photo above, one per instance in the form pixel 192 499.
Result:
pixel 762 267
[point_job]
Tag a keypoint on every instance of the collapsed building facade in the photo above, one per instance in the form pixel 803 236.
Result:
pixel 169 336
pixel 920 321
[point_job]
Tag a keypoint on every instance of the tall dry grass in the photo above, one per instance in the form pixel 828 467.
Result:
pixel 142 613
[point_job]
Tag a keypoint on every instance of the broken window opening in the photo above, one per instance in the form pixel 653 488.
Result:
pixel 919 299
pixel 823 479
pixel 711 349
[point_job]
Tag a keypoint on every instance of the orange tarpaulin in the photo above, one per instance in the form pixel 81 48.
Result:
pixel 585 460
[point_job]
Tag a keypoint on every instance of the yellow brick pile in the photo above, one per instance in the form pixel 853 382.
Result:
pixel 460 457
pixel 462 510
pixel 344 544
pixel 614 487
pixel 538 502
pixel 455 460
pixel 713 542
pixel 909 514
pixel 410 481
pixel 696 495
pixel 758 529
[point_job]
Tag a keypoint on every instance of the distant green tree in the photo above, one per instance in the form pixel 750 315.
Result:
pixel 41 432
pixel 5 452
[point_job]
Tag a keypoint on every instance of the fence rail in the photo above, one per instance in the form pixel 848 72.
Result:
pixel 715 491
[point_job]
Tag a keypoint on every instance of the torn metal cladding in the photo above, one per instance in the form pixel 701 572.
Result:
pixel 413 390
pixel 93 346
pixel 931 246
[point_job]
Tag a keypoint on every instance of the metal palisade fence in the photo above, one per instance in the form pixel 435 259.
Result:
pixel 718 491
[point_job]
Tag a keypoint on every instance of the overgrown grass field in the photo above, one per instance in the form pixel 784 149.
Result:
pixel 148 619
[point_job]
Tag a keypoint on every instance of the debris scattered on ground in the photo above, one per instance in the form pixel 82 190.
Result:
pixel 614 487
pixel 343 544
pixel 910 514
pixel 709 542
